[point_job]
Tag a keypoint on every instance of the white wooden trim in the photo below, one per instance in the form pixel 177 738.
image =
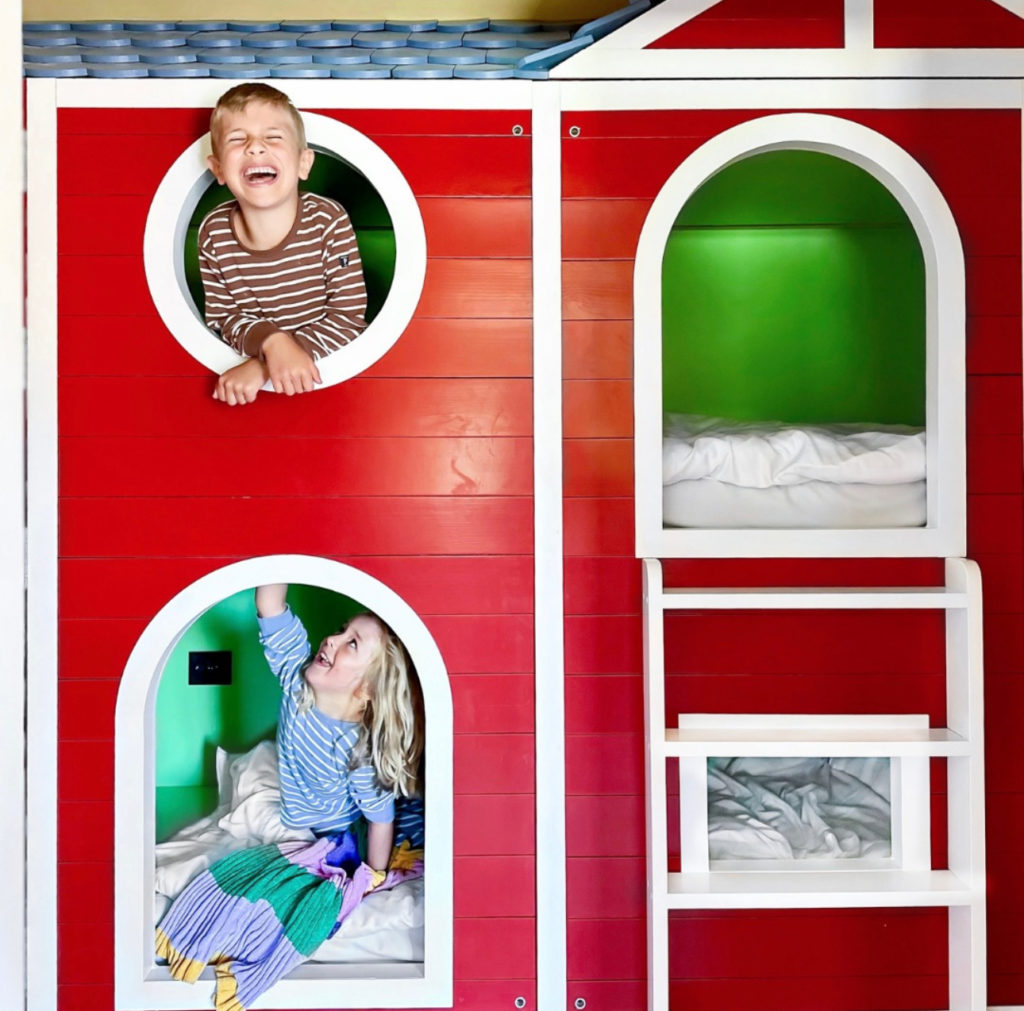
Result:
pixel 1013 6
pixel 819 727
pixel 581 96
pixel 316 94
pixel 842 889
pixel 138 983
pixel 41 497
pixel 966 786
pixel 945 532
pixel 910 799
pixel 799 597
pixel 654 799
pixel 756 64
pixel 937 743
pixel 694 845
pixel 175 201
pixel 12 514
pixel 549 600
pixel 859 24
pixel 789 543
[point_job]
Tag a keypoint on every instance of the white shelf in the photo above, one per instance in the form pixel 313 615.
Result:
pixel 908 880
pixel 818 598
pixel 782 743
pixel 816 889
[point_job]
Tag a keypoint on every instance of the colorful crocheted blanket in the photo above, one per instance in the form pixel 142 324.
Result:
pixel 258 913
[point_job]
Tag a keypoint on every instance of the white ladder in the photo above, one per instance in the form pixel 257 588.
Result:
pixel 960 888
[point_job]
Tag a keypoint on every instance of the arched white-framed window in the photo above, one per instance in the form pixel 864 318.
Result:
pixel 943 532
pixel 140 983
pixel 175 202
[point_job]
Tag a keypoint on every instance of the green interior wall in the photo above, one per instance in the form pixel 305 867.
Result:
pixel 793 289
pixel 193 720
pixel 331 177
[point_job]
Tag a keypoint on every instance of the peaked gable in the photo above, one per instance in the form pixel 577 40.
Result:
pixel 810 39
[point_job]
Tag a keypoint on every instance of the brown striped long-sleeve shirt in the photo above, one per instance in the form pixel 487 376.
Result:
pixel 309 285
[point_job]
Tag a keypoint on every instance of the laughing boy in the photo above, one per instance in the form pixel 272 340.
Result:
pixel 281 272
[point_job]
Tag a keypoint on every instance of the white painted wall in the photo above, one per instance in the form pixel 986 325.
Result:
pixel 12 519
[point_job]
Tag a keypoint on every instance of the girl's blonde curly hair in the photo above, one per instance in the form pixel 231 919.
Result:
pixel 391 737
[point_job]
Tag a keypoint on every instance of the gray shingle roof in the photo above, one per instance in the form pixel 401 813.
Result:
pixel 475 48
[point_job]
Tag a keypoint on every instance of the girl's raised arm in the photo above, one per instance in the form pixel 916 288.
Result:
pixel 271 599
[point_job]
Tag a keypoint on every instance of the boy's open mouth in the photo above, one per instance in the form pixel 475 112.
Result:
pixel 260 174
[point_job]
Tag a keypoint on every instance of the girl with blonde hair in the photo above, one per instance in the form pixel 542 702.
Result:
pixel 350 755
pixel 350 727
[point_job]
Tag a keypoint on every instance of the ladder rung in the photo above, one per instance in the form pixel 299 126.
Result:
pixel 792 743
pixel 826 597
pixel 816 889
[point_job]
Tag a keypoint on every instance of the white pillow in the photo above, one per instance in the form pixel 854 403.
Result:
pixel 249 813
pixel 770 454
pixel 252 790
pixel 239 776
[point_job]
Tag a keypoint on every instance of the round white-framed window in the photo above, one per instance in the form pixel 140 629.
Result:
pixel 175 202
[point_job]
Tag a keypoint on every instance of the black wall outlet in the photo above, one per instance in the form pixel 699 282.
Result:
pixel 209 667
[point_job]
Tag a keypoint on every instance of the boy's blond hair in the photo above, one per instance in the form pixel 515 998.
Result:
pixel 237 98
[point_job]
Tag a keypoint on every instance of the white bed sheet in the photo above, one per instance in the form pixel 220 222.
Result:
pixel 770 454
pixel 385 927
pixel 799 808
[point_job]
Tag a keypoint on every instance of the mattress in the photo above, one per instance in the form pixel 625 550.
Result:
pixel 716 504
pixel 718 473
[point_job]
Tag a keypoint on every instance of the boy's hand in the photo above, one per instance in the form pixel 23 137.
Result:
pixel 241 384
pixel 291 370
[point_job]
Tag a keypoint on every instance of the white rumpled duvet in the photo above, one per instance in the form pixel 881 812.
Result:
pixel 798 808
pixel 385 927
pixel 721 473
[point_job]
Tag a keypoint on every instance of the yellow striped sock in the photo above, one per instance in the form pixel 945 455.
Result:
pixel 183 968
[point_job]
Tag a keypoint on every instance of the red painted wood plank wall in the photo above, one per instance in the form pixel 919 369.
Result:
pixel 814 24
pixel 746 24
pixel 828 960
pixel 418 472
pixel 956 24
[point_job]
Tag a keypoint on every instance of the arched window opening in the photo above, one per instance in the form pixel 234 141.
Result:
pixel 199 757
pixel 793 290
pixel 799 303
